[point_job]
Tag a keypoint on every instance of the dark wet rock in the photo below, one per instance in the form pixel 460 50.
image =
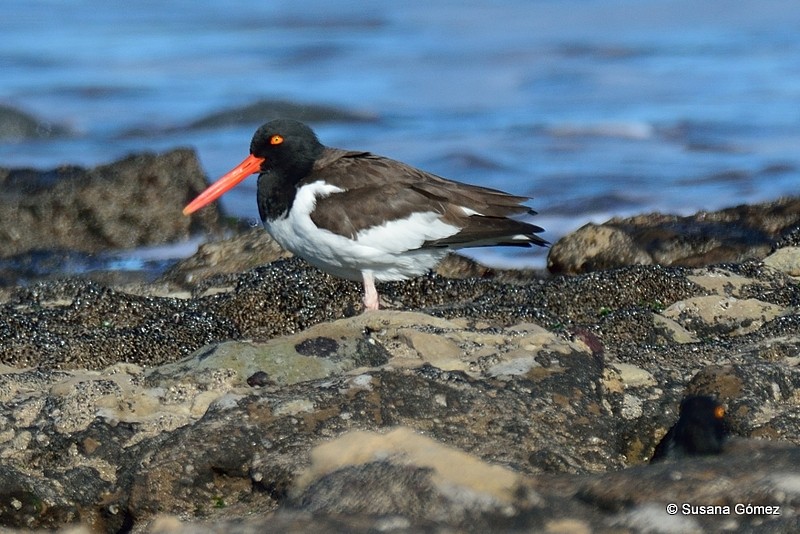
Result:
pixel 83 325
pixel 264 400
pixel 729 235
pixel 26 501
pixel 759 475
pixel 258 379
pixel 16 125
pixel 129 203
pixel 260 112
pixel 790 238
pixel 630 500
pixel 265 110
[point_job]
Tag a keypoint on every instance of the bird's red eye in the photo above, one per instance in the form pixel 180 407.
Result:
pixel 719 412
pixel 276 140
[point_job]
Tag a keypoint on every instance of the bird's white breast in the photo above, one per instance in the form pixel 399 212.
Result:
pixel 391 251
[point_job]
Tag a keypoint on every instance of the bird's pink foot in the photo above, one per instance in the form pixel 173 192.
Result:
pixel 371 300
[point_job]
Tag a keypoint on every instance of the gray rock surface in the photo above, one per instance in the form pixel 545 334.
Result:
pixel 531 405
pixel 259 112
pixel 125 204
pixel 706 238
pixel 265 110
pixel 17 125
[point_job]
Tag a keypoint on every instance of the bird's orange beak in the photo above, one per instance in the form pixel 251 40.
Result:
pixel 249 166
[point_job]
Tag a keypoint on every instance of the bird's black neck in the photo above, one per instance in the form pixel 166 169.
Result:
pixel 275 196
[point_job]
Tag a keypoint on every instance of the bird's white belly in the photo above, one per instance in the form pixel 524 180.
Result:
pixel 390 251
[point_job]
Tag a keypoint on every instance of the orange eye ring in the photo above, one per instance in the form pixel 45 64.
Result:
pixel 276 139
pixel 719 412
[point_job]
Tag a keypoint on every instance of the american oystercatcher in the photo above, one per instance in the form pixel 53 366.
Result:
pixel 701 429
pixel 364 217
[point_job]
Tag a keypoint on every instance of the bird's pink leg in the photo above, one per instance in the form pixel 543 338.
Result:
pixel 371 301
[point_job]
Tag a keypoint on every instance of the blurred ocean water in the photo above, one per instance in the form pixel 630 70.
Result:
pixel 594 108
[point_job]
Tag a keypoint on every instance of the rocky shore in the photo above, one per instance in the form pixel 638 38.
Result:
pixel 243 391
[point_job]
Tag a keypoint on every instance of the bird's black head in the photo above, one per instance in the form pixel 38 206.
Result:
pixel 288 147
pixel 283 151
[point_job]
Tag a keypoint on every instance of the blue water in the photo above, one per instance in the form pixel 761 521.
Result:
pixel 595 108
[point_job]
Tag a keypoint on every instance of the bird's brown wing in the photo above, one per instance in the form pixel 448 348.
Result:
pixel 377 189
